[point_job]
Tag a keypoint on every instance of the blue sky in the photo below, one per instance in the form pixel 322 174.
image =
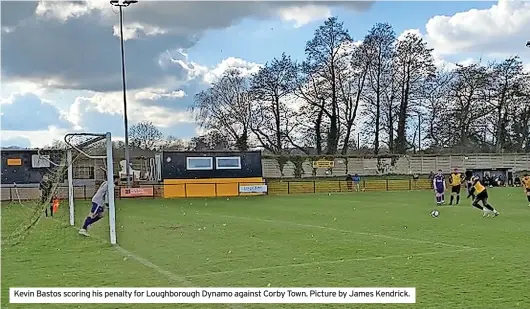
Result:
pixel 52 64
pixel 264 40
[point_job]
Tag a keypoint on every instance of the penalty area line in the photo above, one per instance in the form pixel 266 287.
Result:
pixel 374 258
pixel 170 275
pixel 374 235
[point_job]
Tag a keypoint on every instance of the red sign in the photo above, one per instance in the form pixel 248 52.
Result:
pixel 137 192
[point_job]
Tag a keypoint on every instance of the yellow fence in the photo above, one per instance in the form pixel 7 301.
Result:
pixel 330 186
pixel 225 188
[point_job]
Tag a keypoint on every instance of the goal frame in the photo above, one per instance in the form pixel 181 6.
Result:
pixel 110 175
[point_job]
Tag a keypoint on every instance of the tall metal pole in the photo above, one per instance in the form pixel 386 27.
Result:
pixel 125 120
pixel 419 132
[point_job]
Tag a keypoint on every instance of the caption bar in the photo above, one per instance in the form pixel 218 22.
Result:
pixel 212 295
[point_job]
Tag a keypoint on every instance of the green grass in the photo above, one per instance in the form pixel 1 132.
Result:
pixel 379 239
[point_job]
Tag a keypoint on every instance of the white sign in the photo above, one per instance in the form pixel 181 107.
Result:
pixel 212 295
pixel 40 161
pixel 253 189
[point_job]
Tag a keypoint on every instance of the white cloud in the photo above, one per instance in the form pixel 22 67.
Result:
pixel 303 15
pixel 179 57
pixel 63 10
pixel 38 138
pixel 137 30
pixel 403 34
pixel 111 104
pixel 439 60
pixel 245 67
pixel 157 94
pixel 503 28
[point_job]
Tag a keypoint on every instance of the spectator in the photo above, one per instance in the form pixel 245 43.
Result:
pixel 357 180
pixel 415 178
pixel 517 181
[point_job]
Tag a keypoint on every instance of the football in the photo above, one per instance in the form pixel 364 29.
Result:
pixel 435 213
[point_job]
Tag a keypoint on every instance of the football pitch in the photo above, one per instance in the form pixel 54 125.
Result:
pixel 367 239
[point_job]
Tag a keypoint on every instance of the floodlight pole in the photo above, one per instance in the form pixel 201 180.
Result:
pixel 121 4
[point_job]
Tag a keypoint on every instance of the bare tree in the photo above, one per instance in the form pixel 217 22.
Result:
pixel 437 101
pixel 520 117
pixel 413 65
pixel 469 93
pixel 325 59
pixel 271 87
pixel 226 108
pixel 174 143
pixel 507 80
pixel 380 51
pixel 213 140
pixel 351 82
pixel 145 135
pixel 313 91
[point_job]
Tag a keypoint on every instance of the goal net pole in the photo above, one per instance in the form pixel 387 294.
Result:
pixel 70 186
pixel 110 194
pixel 110 177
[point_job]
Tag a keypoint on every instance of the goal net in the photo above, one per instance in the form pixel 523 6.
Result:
pixel 83 145
pixel 70 175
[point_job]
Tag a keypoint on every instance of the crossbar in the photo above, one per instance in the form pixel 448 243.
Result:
pixel 92 141
pixel 97 137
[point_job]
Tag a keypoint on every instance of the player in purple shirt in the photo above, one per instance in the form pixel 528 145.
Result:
pixel 438 184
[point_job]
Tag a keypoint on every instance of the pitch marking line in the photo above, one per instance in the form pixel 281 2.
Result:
pixel 330 262
pixel 160 270
pixel 180 279
pixel 342 230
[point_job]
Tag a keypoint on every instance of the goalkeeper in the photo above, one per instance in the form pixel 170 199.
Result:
pixel 45 188
pixel 99 201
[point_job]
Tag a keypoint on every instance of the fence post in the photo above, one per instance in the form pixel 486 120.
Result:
pixel 238 190
pixel 387 184
pixel 288 187
pixel 215 188
pixel 340 186
pixel 410 184
pixel 84 192
pixel 185 189
pixel 154 194
pixel 10 194
pixel 314 186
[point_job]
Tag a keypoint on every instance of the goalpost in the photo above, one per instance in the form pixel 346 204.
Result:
pixel 78 141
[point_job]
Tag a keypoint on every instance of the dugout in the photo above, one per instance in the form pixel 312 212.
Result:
pixel 488 175
pixel 209 174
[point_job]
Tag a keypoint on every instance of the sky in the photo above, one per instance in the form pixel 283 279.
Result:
pixel 61 69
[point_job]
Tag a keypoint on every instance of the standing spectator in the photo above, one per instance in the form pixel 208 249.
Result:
pixel 415 178
pixel 357 180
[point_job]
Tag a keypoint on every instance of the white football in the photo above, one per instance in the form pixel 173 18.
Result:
pixel 435 213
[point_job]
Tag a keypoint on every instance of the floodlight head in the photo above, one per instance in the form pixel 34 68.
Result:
pixel 124 3
pixel 528 44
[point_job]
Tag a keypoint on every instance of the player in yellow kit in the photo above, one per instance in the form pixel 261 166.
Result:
pixel 526 187
pixel 481 195
pixel 456 183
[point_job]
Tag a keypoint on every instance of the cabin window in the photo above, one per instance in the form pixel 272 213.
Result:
pixel 199 163
pixel 228 163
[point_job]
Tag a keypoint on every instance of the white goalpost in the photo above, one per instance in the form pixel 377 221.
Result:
pixel 76 142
